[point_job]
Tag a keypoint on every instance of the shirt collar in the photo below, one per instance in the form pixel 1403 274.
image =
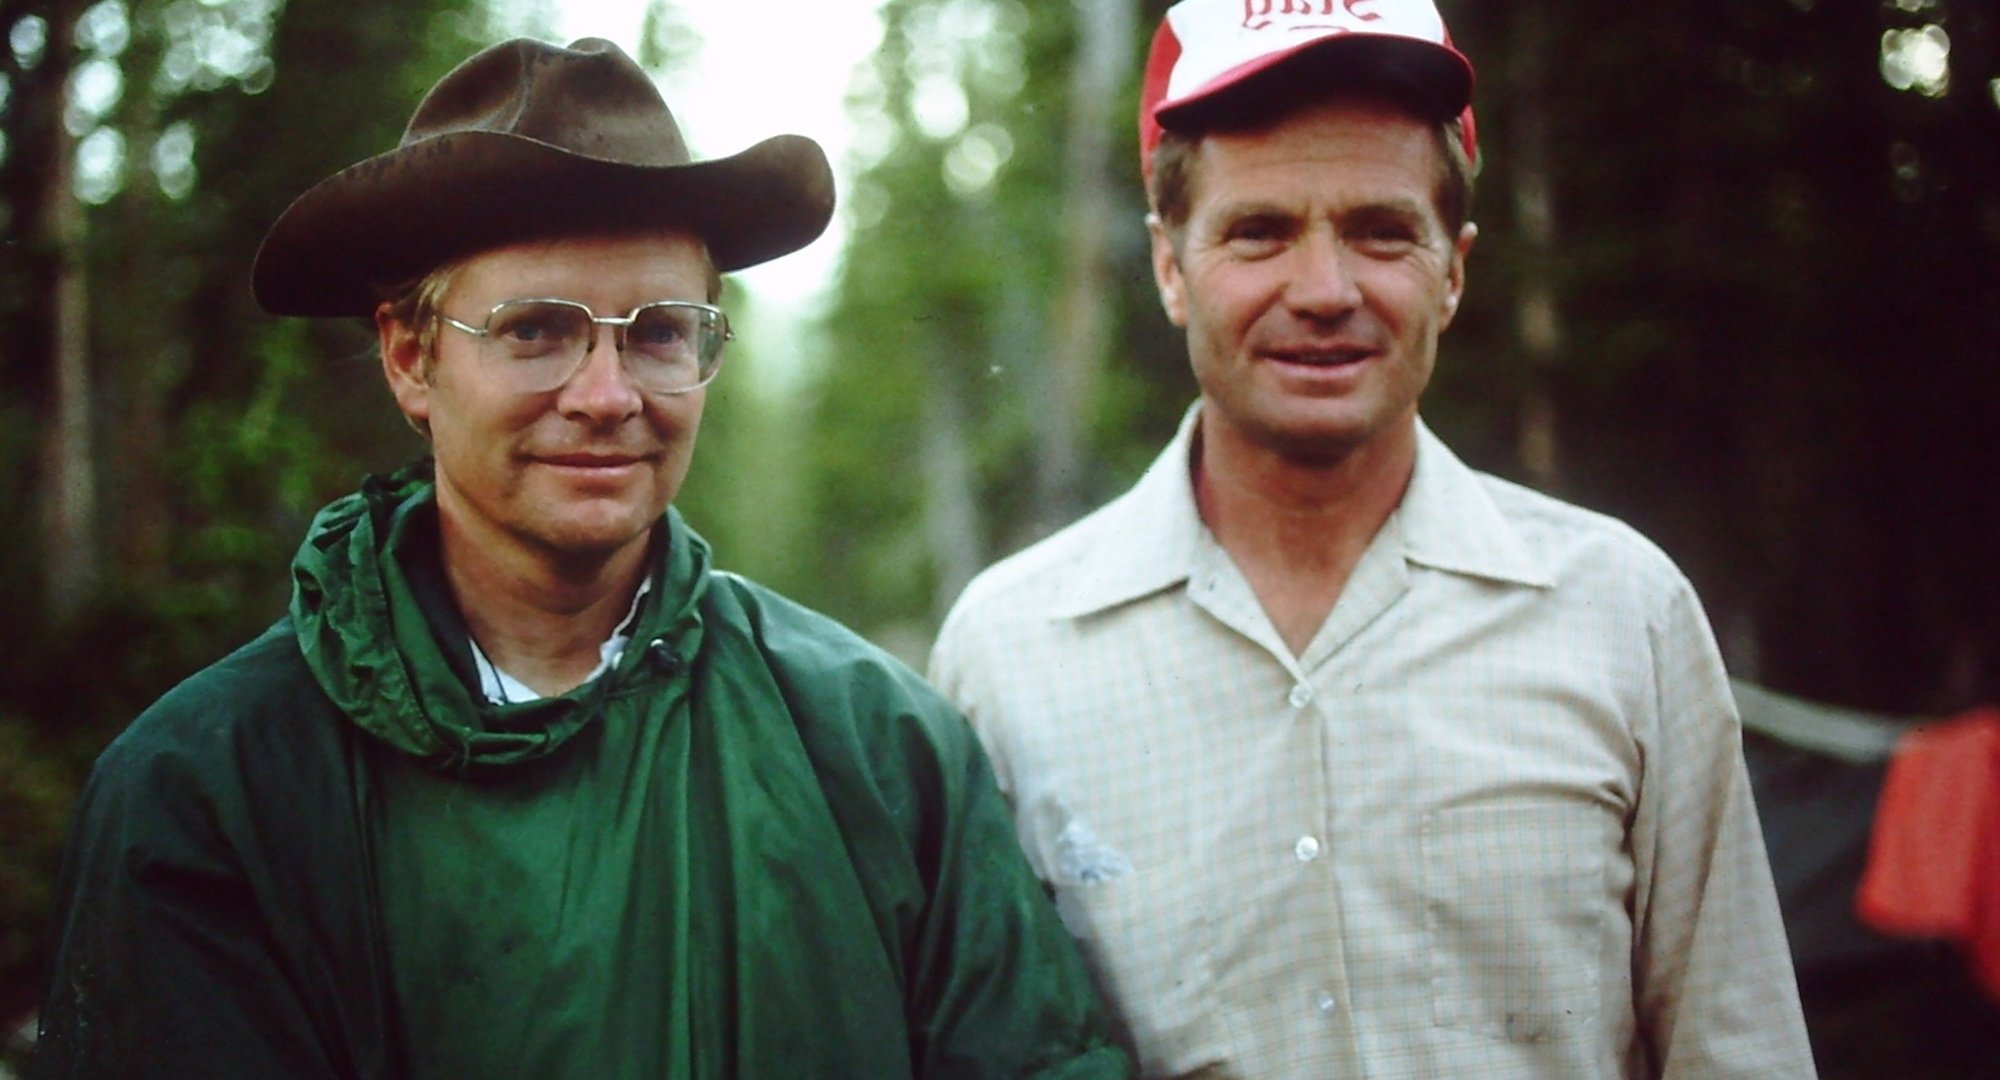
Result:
pixel 502 688
pixel 1146 540
pixel 1450 521
pixel 1152 538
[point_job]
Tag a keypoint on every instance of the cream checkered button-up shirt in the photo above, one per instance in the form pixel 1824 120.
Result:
pixel 1493 823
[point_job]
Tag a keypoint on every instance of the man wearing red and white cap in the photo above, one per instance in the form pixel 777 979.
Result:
pixel 1341 758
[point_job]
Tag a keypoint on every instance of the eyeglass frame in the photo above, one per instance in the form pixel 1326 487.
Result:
pixel 621 323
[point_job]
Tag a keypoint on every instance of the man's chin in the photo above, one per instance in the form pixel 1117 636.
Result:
pixel 588 537
pixel 1326 439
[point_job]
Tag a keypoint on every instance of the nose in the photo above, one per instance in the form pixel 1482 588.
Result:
pixel 1323 284
pixel 599 389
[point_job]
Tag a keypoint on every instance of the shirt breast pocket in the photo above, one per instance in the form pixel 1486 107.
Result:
pixel 1516 899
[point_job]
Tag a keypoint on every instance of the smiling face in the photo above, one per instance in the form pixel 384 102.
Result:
pixel 581 472
pixel 1313 276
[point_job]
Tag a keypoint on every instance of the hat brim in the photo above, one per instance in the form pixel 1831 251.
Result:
pixel 1436 78
pixel 399 215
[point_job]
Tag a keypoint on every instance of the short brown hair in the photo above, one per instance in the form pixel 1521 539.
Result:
pixel 415 305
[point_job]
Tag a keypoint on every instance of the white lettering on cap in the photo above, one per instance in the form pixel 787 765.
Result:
pixel 1218 37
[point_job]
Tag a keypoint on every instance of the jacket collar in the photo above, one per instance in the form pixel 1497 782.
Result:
pixel 377 628
pixel 1152 538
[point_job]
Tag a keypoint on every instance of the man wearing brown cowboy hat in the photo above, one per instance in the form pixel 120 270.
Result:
pixel 522 787
pixel 1343 759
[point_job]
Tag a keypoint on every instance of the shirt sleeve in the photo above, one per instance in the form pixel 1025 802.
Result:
pixel 1713 981
pixel 954 675
pixel 164 964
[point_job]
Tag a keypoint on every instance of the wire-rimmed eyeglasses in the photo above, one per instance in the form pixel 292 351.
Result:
pixel 538 344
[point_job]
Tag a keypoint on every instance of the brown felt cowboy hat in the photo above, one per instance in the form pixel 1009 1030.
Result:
pixel 527 140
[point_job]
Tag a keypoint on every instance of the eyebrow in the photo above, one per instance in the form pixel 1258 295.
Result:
pixel 1400 204
pixel 1401 207
pixel 1253 208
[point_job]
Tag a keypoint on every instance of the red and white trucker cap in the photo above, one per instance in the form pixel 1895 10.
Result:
pixel 1206 48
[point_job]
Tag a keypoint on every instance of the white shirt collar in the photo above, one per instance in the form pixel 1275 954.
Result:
pixel 1447 521
pixel 500 688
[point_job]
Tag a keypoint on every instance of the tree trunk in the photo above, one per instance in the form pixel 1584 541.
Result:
pixel 1537 315
pixel 143 353
pixel 1081 326
pixel 951 509
pixel 69 487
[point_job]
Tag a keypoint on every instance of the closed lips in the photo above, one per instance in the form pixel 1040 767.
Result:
pixel 592 461
pixel 1322 356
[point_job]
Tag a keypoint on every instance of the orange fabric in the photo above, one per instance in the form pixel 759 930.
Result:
pixel 1934 855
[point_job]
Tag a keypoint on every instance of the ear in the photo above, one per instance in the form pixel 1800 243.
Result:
pixel 403 364
pixel 1455 273
pixel 1167 272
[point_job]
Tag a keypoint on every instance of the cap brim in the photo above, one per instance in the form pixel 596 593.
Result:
pixel 399 215
pixel 1436 77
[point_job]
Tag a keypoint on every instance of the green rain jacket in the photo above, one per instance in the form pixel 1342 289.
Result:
pixel 755 847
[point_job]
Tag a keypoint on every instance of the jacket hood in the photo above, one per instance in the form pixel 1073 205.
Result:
pixel 379 631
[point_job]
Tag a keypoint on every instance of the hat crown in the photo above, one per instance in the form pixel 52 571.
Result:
pixel 589 99
pixel 1206 52
pixel 525 141
pixel 1223 36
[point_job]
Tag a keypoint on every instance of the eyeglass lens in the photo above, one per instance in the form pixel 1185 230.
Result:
pixel 667 346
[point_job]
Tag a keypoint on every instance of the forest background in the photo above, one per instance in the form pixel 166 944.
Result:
pixel 1738 282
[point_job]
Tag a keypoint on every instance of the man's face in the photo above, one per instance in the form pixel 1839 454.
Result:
pixel 1313 277
pixel 581 471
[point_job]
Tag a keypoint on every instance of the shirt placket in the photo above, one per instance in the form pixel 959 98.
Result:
pixel 1294 914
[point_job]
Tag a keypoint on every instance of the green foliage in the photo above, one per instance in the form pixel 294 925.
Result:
pixel 743 490
pixel 667 41
pixel 220 429
pixel 944 296
pixel 34 805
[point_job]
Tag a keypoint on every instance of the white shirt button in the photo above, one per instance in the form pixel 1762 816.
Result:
pixel 1307 849
pixel 1301 696
pixel 1324 1003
